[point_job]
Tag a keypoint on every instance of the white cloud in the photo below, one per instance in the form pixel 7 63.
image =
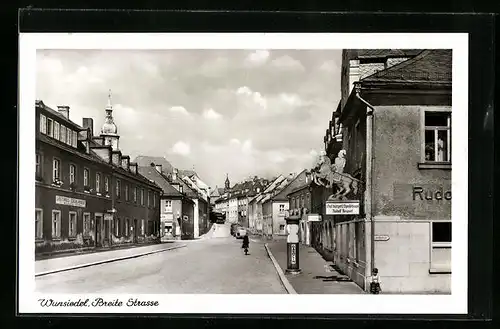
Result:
pixel 258 57
pixel 179 109
pixel 181 148
pixel 291 99
pixel 287 63
pixel 329 66
pixel 211 114
pixel 247 147
pixel 255 96
pixel 235 141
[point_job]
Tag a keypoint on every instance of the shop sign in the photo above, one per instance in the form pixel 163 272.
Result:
pixel 342 207
pixel 381 238
pixel 419 193
pixel 314 218
pixel 166 217
pixel 108 216
pixel 70 201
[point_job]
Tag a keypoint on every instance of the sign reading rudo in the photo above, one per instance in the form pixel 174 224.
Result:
pixel 350 207
pixel 70 201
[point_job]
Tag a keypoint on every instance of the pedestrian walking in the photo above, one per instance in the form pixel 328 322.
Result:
pixel 246 244
pixel 375 282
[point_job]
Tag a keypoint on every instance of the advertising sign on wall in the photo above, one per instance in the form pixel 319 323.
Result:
pixel 70 201
pixel 350 207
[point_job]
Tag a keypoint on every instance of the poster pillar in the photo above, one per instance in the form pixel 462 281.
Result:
pixel 293 264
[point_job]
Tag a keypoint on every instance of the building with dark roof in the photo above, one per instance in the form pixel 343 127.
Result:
pixel 87 193
pixel 394 121
pixel 176 208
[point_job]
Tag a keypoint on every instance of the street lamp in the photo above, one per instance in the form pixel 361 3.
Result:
pixel 292 241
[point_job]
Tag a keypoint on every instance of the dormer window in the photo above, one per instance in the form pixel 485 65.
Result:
pixel 75 139
pixel 50 127
pixel 56 130
pixel 62 134
pixel 69 136
pixel 43 124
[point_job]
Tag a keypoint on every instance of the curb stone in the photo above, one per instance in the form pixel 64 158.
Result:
pixel 288 287
pixel 106 261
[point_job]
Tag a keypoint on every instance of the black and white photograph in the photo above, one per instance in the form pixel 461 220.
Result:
pixel 180 173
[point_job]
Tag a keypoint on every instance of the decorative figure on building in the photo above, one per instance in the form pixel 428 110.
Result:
pixel 327 174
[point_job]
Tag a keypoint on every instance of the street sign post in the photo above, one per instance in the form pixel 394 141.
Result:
pixel 293 244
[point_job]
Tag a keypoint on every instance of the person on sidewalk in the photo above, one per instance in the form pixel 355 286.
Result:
pixel 246 244
pixel 375 282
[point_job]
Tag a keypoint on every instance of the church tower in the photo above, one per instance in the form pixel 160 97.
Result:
pixel 227 184
pixel 109 130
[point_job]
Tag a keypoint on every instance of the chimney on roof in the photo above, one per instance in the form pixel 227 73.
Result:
pixel 133 167
pixel 158 168
pixel 64 110
pixel 88 123
pixel 174 174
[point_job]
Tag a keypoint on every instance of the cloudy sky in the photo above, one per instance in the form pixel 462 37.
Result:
pixel 241 112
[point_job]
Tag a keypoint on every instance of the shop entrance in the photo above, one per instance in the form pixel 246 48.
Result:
pixel 98 230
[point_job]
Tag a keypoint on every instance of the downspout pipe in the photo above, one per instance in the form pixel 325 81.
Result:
pixel 369 167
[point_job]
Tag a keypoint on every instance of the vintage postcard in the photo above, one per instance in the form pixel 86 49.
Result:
pixel 243 173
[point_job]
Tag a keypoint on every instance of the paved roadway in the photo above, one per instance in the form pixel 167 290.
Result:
pixel 213 266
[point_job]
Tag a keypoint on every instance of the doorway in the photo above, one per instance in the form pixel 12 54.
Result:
pixel 135 230
pixel 98 228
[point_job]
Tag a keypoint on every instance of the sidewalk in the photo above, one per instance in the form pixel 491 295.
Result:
pixel 59 264
pixel 312 265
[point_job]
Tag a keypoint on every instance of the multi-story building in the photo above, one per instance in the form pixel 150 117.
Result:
pixel 174 204
pixel 300 201
pixel 84 186
pixel 396 129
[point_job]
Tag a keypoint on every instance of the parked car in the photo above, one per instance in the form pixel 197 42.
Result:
pixel 240 232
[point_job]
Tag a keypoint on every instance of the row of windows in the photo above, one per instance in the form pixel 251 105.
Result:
pixel 122 227
pixel 436 139
pixel 300 201
pixel 56 178
pixel 58 131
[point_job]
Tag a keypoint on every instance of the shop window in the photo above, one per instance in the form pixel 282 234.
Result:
pixel 441 247
pixel 56 169
pixel 437 136
pixel 86 224
pixel 72 224
pixel 43 124
pixel 62 134
pixel 50 127
pixel 98 182
pixel 38 223
pixel 72 173
pixel 117 227
pixel 56 130
pixel 56 224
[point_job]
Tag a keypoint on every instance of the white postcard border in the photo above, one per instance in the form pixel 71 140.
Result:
pixel 456 303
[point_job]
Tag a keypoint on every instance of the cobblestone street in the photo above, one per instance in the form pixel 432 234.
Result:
pixel 212 266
